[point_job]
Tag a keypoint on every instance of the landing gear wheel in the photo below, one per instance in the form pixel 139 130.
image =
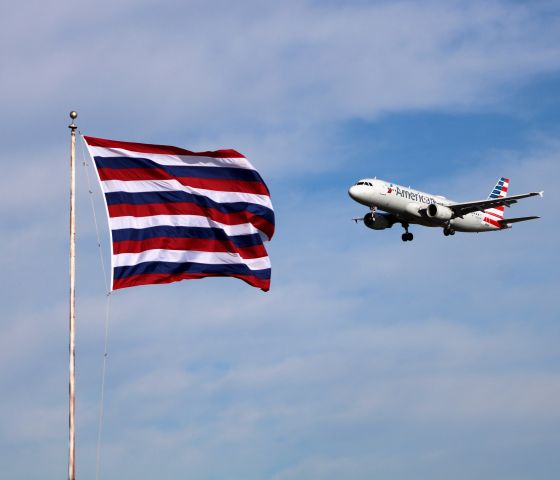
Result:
pixel 446 232
pixel 452 232
pixel 407 237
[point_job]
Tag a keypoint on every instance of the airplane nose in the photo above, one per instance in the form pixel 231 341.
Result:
pixel 353 192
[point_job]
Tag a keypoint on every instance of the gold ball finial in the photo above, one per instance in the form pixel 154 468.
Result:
pixel 73 116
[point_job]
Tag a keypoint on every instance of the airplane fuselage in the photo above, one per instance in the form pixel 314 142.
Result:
pixel 409 206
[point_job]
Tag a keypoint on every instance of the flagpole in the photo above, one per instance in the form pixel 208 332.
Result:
pixel 72 342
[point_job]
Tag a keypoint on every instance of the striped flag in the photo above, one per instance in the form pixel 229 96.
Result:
pixel 176 214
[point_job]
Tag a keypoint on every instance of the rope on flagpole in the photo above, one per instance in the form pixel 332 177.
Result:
pixel 102 396
pixel 107 316
pixel 86 165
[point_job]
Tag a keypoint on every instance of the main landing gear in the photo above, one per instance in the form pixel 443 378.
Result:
pixel 448 231
pixel 406 236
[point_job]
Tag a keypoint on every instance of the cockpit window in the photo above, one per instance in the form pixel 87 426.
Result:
pixel 365 183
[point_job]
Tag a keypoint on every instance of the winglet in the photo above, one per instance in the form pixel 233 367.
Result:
pixel 541 193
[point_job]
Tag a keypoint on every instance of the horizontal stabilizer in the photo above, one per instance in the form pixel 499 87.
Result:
pixel 506 221
pixel 460 209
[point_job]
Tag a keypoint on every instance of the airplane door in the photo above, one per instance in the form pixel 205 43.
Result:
pixel 382 190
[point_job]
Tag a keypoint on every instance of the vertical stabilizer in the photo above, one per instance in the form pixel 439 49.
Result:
pixel 494 215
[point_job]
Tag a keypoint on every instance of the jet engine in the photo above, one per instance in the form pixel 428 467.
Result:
pixel 377 221
pixel 439 212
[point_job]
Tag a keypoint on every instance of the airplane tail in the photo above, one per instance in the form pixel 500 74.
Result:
pixel 499 191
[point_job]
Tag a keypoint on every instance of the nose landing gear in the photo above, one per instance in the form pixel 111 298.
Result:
pixel 406 236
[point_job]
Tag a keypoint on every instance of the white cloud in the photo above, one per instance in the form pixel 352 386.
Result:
pixel 224 68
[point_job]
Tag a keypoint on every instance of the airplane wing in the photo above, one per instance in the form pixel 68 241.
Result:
pixel 460 209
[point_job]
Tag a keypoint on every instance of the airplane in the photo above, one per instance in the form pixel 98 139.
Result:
pixel 408 206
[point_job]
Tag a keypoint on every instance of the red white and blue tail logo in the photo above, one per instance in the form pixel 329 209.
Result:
pixel 493 215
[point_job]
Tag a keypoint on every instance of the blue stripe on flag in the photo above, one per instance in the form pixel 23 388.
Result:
pixel 172 268
pixel 137 234
pixel 225 173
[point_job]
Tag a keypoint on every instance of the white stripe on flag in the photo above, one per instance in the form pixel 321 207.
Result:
pixel 117 223
pixel 174 160
pixel 183 256
pixel 139 186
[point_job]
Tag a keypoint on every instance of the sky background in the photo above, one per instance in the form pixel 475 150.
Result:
pixel 369 357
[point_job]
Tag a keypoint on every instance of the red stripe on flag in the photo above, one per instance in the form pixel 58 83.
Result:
pixel 163 149
pixel 151 278
pixel 218 184
pixel 192 244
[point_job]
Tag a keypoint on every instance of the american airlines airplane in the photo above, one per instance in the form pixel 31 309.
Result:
pixel 407 206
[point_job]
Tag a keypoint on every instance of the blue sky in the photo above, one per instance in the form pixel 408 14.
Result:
pixel 369 357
